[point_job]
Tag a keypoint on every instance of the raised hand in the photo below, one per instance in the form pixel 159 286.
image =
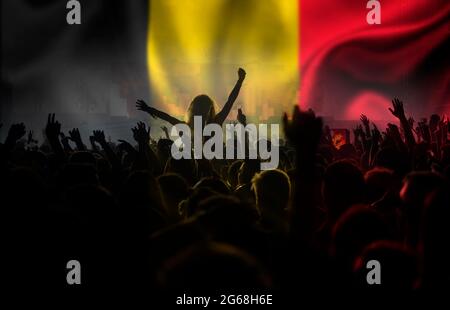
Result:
pixel 99 136
pixel 304 130
pixel 141 105
pixel 93 145
pixel 241 74
pixel 63 137
pixel 75 136
pixel 140 133
pixel 399 113
pixel 65 142
pixel 53 128
pixel 52 131
pixel 241 118
pixel 16 132
pixel 364 120
pixel 398 110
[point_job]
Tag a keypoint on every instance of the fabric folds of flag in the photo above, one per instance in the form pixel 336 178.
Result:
pixel 349 67
pixel 319 53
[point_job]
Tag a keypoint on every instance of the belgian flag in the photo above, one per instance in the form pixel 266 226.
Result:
pixel 321 54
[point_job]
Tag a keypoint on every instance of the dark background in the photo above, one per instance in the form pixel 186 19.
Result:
pixel 89 74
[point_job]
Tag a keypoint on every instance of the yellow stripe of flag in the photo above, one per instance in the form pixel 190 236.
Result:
pixel 196 46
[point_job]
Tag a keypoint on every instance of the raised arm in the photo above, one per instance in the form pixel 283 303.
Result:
pixel 143 106
pixel 146 158
pixel 399 112
pixel 15 133
pixel 304 131
pixel 75 136
pixel 99 137
pixel 52 131
pixel 222 115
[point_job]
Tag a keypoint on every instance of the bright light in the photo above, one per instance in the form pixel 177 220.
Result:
pixel 196 46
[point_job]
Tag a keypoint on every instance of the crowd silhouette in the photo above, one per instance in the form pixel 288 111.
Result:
pixel 134 216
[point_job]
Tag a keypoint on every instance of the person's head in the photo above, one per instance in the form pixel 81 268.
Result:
pixel 212 266
pixel 272 191
pixel 416 187
pixel 447 172
pixel 379 180
pixel 174 189
pixel 224 215
pixel 389 157
pixel 76 174
pixel 187 168
pixel 445 155
pixel 37 160
pixel 434 121
pixel 247 170
pixel 434 239
pixel 343 186
pixel 327 152
pixel 83 157
pixel 232 172
pixel 203 106
pixel 141 202
pixel 190 206
pixel 421 156
pixel 164 149
pixel 95 205
pixel 23 191
pixel 213 183
pixel 347 151
pixel 354 230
